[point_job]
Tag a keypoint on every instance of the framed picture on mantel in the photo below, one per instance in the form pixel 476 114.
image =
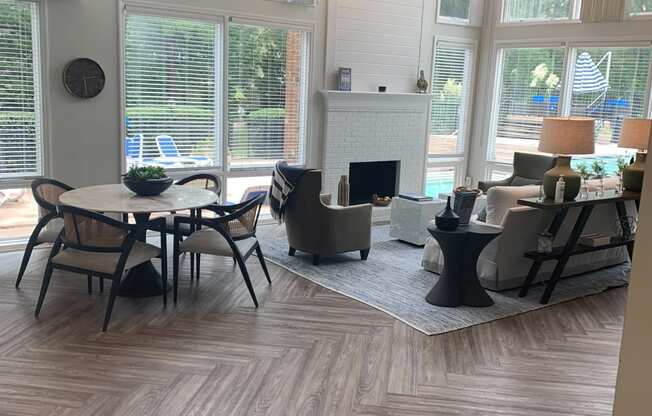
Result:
pixel 344 79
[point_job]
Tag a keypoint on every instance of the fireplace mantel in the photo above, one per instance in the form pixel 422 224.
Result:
pixel 377 101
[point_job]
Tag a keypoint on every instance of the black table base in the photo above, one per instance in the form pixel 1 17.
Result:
pixel 458 284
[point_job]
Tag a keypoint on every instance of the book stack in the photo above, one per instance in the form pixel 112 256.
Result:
pixel 415 197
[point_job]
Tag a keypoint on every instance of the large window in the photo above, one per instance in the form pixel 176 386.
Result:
pixel 528 90
pixel 455 10
pixel 268 84
pixel 540 10
pixel 172 86
pixel 640 7
pixel 20 112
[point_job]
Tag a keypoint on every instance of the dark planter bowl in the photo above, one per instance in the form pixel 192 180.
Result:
pixel 150 187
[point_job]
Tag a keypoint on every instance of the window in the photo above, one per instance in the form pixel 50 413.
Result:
pixel 610 84
pixel 455 10
pixel 440 180
pixel 173 92
pixel 451 86
pixel 20 103
pixel 640 7
pixel 540 10
pixel 528 90
pixel 268 84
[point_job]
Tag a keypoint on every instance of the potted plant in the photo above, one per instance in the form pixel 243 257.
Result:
pixel 598 167
pixel 622 165
pixel 147 180
pixel 583 169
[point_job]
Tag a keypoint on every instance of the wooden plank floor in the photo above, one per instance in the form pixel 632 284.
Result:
pixel 306 351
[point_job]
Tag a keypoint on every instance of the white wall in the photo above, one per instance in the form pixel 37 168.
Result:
pixel 84 135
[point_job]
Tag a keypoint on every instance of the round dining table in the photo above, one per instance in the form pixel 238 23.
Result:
pixel 143 280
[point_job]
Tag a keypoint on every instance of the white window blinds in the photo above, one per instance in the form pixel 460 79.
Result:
pixel 268 80
pixel 450 92
pixel 540 10
pixel 173 92
pixel 529 90
pixel 20 118
pixel 610 84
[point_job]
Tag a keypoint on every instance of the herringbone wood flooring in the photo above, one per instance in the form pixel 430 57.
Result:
pixel 306 351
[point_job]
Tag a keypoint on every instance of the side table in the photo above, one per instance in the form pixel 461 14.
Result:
pixel 458 283
pixel 409 219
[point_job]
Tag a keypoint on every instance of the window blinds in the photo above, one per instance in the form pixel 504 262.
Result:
pixel 610 84
pixel 173 91
pixel 20 119
pixel 450 89
pixel 268 78
pixel 538 10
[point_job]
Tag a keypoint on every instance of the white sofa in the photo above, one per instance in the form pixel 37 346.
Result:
pixel 502 266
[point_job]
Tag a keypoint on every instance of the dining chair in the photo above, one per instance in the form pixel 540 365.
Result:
pixel 46 193
pixel 96 244
pixel 231 234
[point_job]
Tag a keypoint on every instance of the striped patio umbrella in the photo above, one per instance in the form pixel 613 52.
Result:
pixel 588 77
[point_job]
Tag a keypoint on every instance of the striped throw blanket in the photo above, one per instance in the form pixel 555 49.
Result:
pixel 284 180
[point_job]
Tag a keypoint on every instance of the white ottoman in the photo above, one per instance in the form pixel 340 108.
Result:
pixel 409 219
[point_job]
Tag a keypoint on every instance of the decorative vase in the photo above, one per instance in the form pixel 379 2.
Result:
pixel 573 179
pixel 447 220
pixel 633 174
pixel 343 191
pixel 150 187
pixel 422 83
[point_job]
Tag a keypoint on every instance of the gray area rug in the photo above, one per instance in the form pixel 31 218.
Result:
pixel 393 281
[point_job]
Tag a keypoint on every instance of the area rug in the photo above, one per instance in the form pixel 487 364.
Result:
pixel 393 281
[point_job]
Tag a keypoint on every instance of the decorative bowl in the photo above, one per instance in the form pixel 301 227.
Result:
pixel 150 187
pixel 381 201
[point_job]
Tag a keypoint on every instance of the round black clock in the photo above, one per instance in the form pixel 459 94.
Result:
pixel 83 78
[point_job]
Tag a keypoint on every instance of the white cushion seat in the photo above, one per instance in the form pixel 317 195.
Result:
pixel 105 262
pixel 209 241
pixel 50 232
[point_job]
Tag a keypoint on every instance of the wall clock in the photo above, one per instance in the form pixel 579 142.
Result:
pixel 84 78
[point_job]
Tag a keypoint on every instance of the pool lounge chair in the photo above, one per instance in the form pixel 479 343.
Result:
pixel 170 153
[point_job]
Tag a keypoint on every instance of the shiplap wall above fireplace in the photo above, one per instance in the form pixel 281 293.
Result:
pixel 373 127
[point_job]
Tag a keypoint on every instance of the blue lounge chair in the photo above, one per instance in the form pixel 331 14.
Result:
pixel 170 153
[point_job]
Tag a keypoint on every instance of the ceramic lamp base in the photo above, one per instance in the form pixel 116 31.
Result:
pixel 573 179
pixel 633 174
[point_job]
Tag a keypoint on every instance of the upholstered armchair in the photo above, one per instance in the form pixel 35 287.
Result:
pixel 321 230
pixel 529 169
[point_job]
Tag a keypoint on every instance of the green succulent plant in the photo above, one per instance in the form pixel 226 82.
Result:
pixel 145 173
pixel 622 164
pixel 598 167
pixel 583 169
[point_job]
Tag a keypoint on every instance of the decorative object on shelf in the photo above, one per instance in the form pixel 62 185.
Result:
pixel 464 203
pixel 566 136
pixel 415 197
pixel 382 88
pixel 544 242
pixel 344 79
pixel 594 240
pixel 447 220
pixel 343 191
pixel 622 164
pixel 381 201
pixel 585 174
pixel 560 189
pixel 627 226
pixel 636 134
pixel 599 170
pixel 147 180
pixel 422 83
pixel 83 78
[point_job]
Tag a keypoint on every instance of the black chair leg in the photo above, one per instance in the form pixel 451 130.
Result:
pixel 315 259
pixel 175 272
pixel 115 284
pixel 192 266
pixel 245 276
pixel 89 277
pixel 292 251
pixel 101 285
pixel 197 263
pixel 364 254
pixel 44 288
pixel 261 258
pixel 23 264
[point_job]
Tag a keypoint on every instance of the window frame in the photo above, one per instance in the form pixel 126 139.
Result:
pixel 41 103
pixel 573 18
pixel 449 20
pixel 224 171
pixel 458 161
pixel 628 15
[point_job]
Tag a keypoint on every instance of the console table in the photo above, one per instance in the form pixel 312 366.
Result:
pixel 563 254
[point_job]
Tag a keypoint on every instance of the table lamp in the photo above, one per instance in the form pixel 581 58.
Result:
pixel 564 137
pixel 636 134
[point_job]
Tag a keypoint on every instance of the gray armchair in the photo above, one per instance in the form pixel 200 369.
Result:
pixel 321 230
pixel 529 169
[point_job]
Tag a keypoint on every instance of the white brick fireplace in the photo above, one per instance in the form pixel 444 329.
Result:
pixel 374 127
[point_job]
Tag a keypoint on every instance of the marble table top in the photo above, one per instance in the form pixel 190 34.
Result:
pixel 116 198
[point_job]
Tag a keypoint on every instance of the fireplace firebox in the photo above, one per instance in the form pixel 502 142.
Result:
pixel 369 178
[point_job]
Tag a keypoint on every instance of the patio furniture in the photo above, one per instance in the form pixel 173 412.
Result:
pixel 169 151
pixel 100 246
pixel 134 148
pixel 529 169
pixel 142 280
pixel 231 234
pixel 46 194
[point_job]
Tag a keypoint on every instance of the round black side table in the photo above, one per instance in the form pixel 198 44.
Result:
pixel 458 284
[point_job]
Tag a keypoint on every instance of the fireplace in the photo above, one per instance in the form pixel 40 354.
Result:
pixel 369 178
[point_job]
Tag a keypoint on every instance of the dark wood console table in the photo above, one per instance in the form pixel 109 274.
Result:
pixel 562 254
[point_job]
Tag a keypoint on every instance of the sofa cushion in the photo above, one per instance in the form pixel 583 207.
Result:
pixel 521 181
pixel 501 198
